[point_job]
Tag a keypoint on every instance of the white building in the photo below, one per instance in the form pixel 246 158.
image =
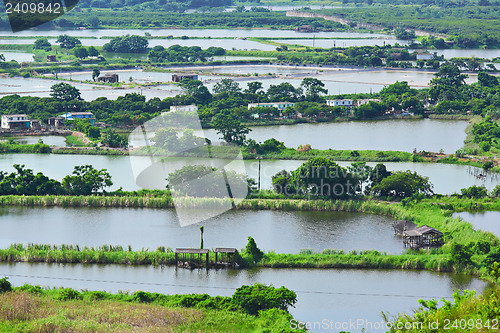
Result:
pixel 20 121
pixel 189 108
pixel 339 102
pixel 278 105
pixel 360 102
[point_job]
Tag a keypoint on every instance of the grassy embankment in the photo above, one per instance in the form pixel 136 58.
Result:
pixel 33 309
pixel 435 212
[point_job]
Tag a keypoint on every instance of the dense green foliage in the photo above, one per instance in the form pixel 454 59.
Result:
pixel 127 44
pixel 177 53
pixel 487 134
pixel 85 180
pixel 35 309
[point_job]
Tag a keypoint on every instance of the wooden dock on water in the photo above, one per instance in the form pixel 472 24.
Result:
pixel 199 258
pixel 416 237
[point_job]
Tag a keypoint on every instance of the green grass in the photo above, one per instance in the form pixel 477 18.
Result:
pixel 33 309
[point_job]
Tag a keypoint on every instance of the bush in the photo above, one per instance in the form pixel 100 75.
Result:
pixel 67 294
pixel 253 299
pixel 495 193
pixel 5 285
pixel 475 192
pixel 253 251
pixel 460 254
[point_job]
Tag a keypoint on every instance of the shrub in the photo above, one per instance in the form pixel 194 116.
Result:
pixel 253 299
pixel 5 285
pixel 495 193
pixel 460 254
pixel 67 294
pixel 253 251
pixel 474 192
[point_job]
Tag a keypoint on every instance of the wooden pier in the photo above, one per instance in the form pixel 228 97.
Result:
pixel 418 237
pixel 191 258
pixel 198 258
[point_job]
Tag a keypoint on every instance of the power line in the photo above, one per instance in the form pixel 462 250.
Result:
pixel 224 288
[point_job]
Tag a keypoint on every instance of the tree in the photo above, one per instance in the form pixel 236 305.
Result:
pixel 253 299
pixel 487 80
pixel 95 74
pixel 254 87
pixel 312 88
pixel 68 42
pixel 80 52
pixel 113 139
pixel 86 180
pixel 449 75
pixel 42 44
pixel 403 184
pixel 205 181
pixel 24 182
pixel 231 129
pixel 227 85
pixel 92 51
pixel 252 251
pixel 127 44
pixel 64 92
pixel 197 90
pixel 323 177
pixel 284 92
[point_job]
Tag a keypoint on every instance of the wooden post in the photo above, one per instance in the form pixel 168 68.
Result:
pixel 207 261
pixel 176 259
pixel 216 259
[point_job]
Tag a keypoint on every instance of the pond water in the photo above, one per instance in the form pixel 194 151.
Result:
pixel 486 221
pixel 467 53
pixel 51 140
pixel 336 81
pixel 280 231
pixel 17 56
pixel 342 43
pixel 404 135
pixel 447 178
pixel 340 296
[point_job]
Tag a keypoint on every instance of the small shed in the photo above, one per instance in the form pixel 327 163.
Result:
pixel 225 256
pixel 305 28
pixel 423 236
pixel 51 58
pixel 179 78
pixel 35 124
pixel 403 225
pixel 191 258
pixel 108 78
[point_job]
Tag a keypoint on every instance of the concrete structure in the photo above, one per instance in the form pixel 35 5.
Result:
pixel 305 28
pixel 278 105
pixel 35 124
pixel 425 56
pixel 108 78
pixel 15 121
pixel 56 122
pixel 339 102
pixel 179 78
pixel 188 108
pixel 360 102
